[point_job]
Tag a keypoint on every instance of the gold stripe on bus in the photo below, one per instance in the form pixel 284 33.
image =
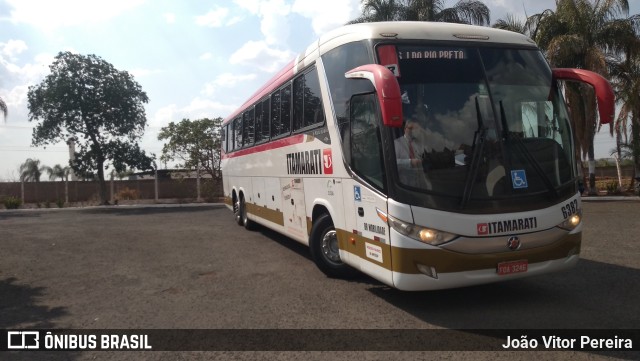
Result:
pixel 270 215
pixel 356 244
pixel 405 260
pixel 227 201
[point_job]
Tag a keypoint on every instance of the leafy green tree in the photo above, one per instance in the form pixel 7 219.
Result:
pixel 193 143
pixel 580 34
pixel 464 11
pixel 100 107
pixel 31 170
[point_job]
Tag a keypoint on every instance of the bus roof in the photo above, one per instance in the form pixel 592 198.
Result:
pixel 399 30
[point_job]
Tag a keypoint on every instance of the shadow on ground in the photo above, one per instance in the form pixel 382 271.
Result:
pixel 19 309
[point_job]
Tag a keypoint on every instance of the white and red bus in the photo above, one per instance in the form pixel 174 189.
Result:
pixel 491 195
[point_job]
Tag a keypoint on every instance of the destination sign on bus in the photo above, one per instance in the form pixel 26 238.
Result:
pixel 433 54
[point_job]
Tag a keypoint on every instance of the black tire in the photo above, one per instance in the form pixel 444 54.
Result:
pixel 323 245
pixel 245 221
pixel 237 211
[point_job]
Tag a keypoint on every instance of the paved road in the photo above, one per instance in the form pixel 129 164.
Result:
pixel 193 268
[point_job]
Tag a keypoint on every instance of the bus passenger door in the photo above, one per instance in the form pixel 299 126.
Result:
pixel 365 159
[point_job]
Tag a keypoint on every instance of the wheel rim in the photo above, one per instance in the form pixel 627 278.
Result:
pixel 330 248
pixel 236 210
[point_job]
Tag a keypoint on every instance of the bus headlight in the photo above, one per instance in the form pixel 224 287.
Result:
pixel 422 234
pixel 572 222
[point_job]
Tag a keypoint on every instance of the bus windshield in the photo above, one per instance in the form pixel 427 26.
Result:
pixel 481 124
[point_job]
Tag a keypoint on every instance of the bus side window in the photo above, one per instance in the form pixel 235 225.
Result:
pixel 237 132
pixel 313 111
pixel 265 120
pixel 276 124
pixel 285 110
pixel 223 138
pixel 366 153
pixel 249 128
pixel 298 103
pixel 258 119
pixel 307 101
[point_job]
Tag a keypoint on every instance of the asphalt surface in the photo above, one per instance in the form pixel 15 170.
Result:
pixel 191 267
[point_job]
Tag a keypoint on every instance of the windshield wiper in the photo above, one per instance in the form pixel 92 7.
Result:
pixel 511 136
pixel 478 140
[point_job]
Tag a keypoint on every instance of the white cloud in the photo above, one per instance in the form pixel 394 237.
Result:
pixel 328 14
pixel 206 56
pixel 226 80
pixel 197 109
pixel 258 54
pixel 170 18
pixel 141 72
pixel 60 13
pixel 229 80
pixel 12 48
pixel 253 6
pixel 164 116
pixel 214 18
pixel 16 80
pixel 274 23
pixel 206 108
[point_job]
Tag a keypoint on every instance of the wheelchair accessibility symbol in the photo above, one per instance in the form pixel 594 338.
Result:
pixel 519 179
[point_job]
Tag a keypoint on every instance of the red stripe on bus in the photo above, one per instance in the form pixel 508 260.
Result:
pixel 282 77
pixel 294 139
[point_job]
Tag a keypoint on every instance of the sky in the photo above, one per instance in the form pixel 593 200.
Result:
pixel 193 58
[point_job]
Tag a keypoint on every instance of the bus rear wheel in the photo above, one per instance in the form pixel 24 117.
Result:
pixel 323 245
pixel 237 211
pixel 245 221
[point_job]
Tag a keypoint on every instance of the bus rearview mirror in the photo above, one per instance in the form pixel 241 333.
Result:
pixel 387 90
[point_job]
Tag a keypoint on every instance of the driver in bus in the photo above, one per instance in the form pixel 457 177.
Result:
pixel 420 150
pixel 410 150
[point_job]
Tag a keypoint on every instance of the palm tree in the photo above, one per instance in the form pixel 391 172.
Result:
pixel 380 10
pixel 626 81
pixel 57 171
pixel 464 11
pixel 3 108
pixel 31 170
pixel 580 34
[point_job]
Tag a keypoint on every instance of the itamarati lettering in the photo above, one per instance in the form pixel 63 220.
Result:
pixel 307 162
pixel 508 226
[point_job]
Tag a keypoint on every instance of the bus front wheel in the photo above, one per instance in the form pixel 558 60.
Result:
pixel 323 245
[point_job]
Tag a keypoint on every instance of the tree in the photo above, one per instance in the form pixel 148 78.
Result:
pixel 625 74
pixel 100 107
pixel 58 171
pixel 31 170
pixel 3 108
pixel 464 11
pixel 194 143
pixel 579 34
pixel 380 10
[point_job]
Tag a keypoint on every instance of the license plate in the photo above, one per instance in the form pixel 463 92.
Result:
pixel 507 268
